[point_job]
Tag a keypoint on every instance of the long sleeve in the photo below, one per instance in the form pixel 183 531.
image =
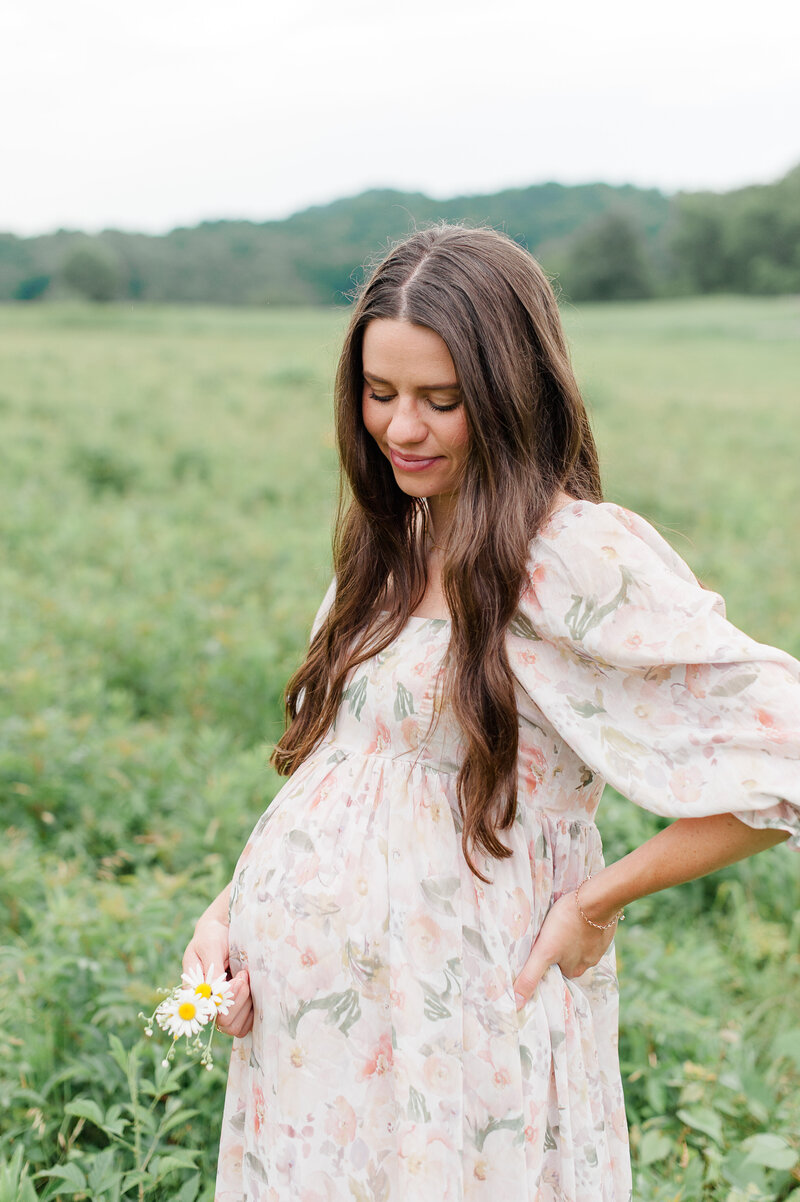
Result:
pixel 635 666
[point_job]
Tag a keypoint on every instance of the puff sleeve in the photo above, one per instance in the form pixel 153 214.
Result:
pixel 635 666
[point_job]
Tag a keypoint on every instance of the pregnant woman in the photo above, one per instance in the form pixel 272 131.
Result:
pixel 419 930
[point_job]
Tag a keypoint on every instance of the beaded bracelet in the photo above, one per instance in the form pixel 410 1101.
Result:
pixel 600 926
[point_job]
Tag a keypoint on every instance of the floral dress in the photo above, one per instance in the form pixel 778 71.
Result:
pixel 387 1061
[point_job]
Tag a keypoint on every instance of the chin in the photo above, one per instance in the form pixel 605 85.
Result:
pixel 419 490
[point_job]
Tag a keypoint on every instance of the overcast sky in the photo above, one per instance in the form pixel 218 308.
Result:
pixel 159 113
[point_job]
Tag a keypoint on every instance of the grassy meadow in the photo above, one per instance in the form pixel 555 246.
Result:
pixel 166 498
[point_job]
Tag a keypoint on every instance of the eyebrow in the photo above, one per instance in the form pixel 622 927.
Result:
pixel 423 387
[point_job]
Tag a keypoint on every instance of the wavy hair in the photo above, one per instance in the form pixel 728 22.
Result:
pixel 529 438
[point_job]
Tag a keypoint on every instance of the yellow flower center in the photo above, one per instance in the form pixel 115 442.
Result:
pixel 187 1011
pixel 203 989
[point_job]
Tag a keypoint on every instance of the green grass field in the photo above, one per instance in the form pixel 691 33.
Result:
pixel 167 488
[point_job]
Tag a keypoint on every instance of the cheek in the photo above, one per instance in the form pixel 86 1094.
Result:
pixel 374 417
pixel 459 436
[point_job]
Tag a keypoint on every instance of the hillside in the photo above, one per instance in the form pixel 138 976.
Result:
pixel 603 242
pixel 311 256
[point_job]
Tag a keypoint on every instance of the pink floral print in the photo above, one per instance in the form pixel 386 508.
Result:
pixel 387 1061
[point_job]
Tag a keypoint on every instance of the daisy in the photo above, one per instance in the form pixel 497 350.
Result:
pixel 184 1013
pixel 214 989
pixel 194 1004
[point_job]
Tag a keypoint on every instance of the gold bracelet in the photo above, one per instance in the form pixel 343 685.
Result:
pixel 600 926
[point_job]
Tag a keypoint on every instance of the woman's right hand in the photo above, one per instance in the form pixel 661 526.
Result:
pixel 209 947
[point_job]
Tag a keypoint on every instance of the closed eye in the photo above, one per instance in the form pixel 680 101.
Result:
pixel 373 396
pixel 443 408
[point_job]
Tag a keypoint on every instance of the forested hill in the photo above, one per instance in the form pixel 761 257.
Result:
pixel 603 242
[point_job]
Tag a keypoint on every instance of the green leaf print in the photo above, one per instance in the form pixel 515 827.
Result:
pixel 541 849
pixel 475 939
pixel 299 840
pixel 417 1108
pixel 604 979
pixel 523 627
pixel 343 1010
pixel 362 967
pixel 526 1060
pixel 731 686
pixel 513 1124
pixel 438 890
pixel 588 709
pixel 434 1008
pixel 623 744
pixel 453 977
pixel 550 1144
pixel 357 1191
pixel 262 822
pixel 403 702
pixel 586 612
pixel 261 882
pixel 355 695
pixel 255 1166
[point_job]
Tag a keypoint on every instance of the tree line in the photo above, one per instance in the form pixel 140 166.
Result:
pixel 600 243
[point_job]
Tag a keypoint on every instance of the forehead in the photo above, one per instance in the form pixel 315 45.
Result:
pixel 402 353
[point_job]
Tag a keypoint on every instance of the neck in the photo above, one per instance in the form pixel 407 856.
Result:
pixel 441 510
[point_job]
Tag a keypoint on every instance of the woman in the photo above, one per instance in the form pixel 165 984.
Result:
pixel 421 923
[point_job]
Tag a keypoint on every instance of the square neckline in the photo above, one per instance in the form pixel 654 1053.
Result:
pixel 422 618
pixel 551 517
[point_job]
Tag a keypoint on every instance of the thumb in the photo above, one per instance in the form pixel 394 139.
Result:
pixel 526 983
pixel 191 959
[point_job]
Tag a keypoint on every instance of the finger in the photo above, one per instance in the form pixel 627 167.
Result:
pixel 241 1024
pixel 205 954
pixel 191 959
pixel 239 1018
pixel 526 983
pixel 240 989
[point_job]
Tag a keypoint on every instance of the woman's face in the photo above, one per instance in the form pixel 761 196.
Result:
pixel 412 406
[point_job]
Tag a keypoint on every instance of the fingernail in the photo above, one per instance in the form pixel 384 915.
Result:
pixel 520 1000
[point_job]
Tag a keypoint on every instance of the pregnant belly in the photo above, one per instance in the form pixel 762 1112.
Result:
pixel 355 875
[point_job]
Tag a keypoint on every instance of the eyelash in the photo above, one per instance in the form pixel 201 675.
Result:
pixel 373 396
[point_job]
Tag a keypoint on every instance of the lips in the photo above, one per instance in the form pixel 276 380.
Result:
pixel 412 463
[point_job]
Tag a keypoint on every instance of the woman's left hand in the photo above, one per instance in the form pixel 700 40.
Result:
pixel 564 939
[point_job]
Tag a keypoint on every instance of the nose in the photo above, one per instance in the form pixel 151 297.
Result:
pixel 406 426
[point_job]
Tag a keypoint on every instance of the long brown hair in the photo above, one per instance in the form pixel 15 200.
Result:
pixel 529 438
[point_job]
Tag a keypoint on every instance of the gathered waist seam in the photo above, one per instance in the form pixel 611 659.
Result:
pixel 400 758
pixel 552 813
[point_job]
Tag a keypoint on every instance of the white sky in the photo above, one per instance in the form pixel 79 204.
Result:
pixel 159 113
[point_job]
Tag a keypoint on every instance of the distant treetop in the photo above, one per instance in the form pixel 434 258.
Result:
pixel 601 242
